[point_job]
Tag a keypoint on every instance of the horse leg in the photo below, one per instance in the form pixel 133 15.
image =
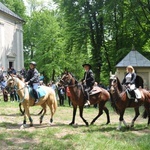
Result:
pixel 107 114
pixel 22 112
pixel 101 107
pixel 137 113
pixel 147 108
pixel 43 108
pixel 74 114
pixel 81 115
pixel 28 114
pixel 121 119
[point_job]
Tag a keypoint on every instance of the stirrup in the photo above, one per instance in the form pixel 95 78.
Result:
pixel 87 103
pixel 136 101
pixel 36 101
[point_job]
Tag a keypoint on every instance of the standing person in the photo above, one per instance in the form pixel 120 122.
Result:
pixel 129 80
pixel 88 81
pixel 23 72
pixel 32 79
pixel 68 95
pixel 61 94
pixel 12 71
pixel 3 85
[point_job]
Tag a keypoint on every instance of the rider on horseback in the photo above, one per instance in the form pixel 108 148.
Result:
pixel 32 79
pixel 88 81
pixel 129 80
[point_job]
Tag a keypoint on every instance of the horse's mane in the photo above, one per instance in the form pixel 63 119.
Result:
pixel 119 85
pixel 76 81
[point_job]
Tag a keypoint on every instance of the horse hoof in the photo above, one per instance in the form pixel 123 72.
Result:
pixel 87 124
pixel 40 122
pixel 51 120
pixel 107 122
pixel 31 125
pixel 118 129
pixel 23 126
pixel 71 123
pixel 75 125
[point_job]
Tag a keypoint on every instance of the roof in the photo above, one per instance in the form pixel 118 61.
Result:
pixel 135 59
pixel 6 10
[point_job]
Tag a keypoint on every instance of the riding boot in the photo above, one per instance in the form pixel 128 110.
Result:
pixel 36 96
pixel 134 96
pixel 87 98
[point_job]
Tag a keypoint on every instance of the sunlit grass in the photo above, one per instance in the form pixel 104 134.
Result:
pixel 61 136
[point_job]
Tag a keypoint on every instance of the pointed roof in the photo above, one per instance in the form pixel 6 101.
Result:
pixel 135 59
pixel 6 10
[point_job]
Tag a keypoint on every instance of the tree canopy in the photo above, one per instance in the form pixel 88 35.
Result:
pixel 99 32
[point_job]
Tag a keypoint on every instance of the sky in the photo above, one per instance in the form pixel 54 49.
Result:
pixel 46 3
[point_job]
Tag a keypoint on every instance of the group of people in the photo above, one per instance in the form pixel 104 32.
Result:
pixel 32 78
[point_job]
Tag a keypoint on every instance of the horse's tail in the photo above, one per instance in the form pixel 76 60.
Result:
pixel 55 104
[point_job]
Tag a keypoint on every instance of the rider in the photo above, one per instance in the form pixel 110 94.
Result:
pixel 88 81
pixel 32 79
pixel 129 80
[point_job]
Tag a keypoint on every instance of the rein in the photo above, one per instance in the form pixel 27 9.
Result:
pixel 16 88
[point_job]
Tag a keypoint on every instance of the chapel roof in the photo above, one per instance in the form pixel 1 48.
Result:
pixel 6 10
pixel 135 59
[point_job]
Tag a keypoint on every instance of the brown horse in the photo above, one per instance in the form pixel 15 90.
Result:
pixel 27 101
pixel 78 98
pixel 121 101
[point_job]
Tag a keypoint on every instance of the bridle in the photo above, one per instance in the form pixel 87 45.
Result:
pixel 68 82
pixel 113 84
pixel 15 87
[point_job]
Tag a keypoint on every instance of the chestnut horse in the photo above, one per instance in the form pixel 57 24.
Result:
pixel 120 101
pixel 27 101
pixel 78 98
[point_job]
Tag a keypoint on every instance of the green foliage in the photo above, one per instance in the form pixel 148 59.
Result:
pixel 17 6
pixel 98 32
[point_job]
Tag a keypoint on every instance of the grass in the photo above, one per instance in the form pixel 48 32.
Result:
pixel 61 136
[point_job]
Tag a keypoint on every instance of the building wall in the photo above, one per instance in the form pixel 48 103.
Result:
pixel 11 42
pixel 142 72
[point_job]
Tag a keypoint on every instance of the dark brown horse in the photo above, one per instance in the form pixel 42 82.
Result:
pixel 121 101
pixel 78 98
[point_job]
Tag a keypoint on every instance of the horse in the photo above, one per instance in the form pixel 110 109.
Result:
pixel 78 98
pixel 27 100
pixel 120 101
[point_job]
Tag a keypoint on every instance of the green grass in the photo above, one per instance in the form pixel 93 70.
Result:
pixel 61 136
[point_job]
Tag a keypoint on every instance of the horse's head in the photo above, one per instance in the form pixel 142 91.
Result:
pixel 67 79
pixel 114 84
pixel 10 82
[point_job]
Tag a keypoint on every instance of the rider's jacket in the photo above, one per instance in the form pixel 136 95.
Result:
pixel 32 76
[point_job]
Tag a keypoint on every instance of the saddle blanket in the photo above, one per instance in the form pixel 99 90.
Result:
pixel 40 90
pixel 137 94
pixel 95 90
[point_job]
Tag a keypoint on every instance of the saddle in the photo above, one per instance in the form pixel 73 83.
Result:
pixel 95 90
pixel 137 94
pixel 40 90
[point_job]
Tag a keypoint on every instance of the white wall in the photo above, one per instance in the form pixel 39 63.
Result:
pixel 11 42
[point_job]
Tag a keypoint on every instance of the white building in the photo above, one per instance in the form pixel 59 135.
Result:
pixel 11 39
pixel 141 65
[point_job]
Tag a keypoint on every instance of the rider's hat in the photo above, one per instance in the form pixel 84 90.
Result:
pixel 87 65
pixel 33 63
pixel 130 67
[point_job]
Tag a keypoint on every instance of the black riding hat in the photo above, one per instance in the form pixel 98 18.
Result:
pixel 33 63
pixel 87 65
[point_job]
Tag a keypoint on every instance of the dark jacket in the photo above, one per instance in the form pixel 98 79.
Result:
pixel 32 76
pixel 12 71
pixel 133 77
pixel 89 78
